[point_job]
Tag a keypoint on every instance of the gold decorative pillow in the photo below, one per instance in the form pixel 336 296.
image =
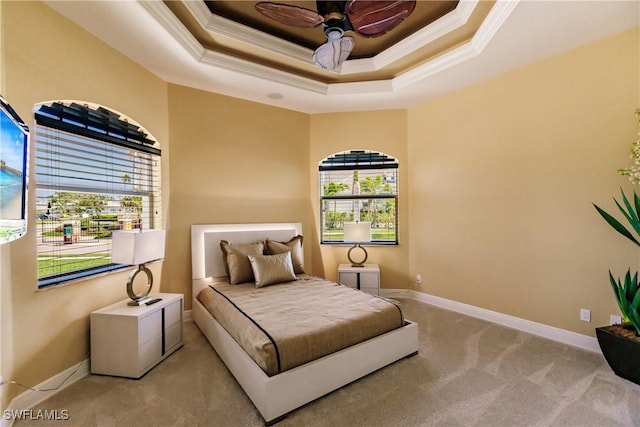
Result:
pixel 294 246
pixel 272 269
pixel 236 261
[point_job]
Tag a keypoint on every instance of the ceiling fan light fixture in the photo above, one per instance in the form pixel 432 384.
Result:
pixel 368 18
pixel 333 33
pixel 333 53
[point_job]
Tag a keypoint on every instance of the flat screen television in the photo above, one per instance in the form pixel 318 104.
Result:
pixel 14 161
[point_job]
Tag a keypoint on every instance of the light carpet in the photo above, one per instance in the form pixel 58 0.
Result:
pixel 468 372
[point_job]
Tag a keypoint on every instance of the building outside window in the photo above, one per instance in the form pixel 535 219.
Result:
pixel 359 186
pixel 96 171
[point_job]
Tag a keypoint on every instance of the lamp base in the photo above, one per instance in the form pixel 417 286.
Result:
pixel 357 263
pixel 139 299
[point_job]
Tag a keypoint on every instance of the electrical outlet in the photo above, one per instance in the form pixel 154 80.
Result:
pixel 615 320
pixel 418 279
pixel 585 315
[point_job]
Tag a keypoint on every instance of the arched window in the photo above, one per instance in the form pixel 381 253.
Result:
pixel 96 171
pixel 359 186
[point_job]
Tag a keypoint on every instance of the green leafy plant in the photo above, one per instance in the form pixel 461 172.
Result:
pixel 630 212
pixel 628 297
pixel 627 292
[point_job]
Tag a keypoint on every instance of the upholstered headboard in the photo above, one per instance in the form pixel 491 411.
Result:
pixel 206 256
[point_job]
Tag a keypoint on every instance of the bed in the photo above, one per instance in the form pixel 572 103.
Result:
pixel 276 393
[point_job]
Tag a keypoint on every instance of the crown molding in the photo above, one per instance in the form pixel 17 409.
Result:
pixel 245 67
pixel 496 17
pixel 163 15
pixel 517 33
pixel 172 25
pixel 356 88
pixel 439 28
pixel 219 26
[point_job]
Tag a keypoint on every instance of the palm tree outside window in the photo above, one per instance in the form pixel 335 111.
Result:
pixel 359 186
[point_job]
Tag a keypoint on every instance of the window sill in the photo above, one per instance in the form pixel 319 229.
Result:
pixel 46 284
pixel 71 279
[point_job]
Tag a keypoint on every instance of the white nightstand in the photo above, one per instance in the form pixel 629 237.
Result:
pixel 128 341
pixel 366 279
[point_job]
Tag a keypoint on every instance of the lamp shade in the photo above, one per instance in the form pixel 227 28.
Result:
pixel 134 247
pixel 357 232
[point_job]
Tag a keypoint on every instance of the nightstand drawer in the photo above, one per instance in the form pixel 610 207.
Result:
pixel 366 279
pixel 150 327
pixel 173 313
pixel 348 279
pixel 172 336
pixel 369 280
pixel 150 351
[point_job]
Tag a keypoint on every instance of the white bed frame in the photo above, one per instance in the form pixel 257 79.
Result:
pixel 280 394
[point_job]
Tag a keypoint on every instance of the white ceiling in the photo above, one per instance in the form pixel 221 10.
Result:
pixel 515 34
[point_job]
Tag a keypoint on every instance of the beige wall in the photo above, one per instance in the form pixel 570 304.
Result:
pixel 382 131
pixel 233 162
pixel 501 180
pixel 46 57
pixel 496 182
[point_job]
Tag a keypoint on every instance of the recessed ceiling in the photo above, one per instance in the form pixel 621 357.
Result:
pixel 245 13
pixel 227 47
pixel 236 30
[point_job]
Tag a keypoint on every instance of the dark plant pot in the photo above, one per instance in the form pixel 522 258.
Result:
pixel 622 353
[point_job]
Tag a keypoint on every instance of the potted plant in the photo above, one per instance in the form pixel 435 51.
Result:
pixel 620 344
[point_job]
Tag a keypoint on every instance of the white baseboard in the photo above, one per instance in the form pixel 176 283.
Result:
pixel 556 334
pixel 53 385
pixel 45 390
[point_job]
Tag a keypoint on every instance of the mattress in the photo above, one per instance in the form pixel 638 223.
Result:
pixel 286 325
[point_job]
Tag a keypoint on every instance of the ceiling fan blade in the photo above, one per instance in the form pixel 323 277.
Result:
pixel 333 53
pixel 373 18
pixel 290 15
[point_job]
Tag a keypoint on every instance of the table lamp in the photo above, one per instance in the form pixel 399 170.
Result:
pixel 357 232
pixel 137 248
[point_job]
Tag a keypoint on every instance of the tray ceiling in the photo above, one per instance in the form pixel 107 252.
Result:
pixel 228 48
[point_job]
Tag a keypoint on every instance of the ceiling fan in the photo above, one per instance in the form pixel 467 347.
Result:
pixel 367 18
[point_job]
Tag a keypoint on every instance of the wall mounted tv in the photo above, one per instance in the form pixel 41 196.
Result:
pixel 14 160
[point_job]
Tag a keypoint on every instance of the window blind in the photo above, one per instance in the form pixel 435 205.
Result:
pixel 86 188
pixel 359 185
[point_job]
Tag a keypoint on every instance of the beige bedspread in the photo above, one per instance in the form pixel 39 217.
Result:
pixel 286 325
